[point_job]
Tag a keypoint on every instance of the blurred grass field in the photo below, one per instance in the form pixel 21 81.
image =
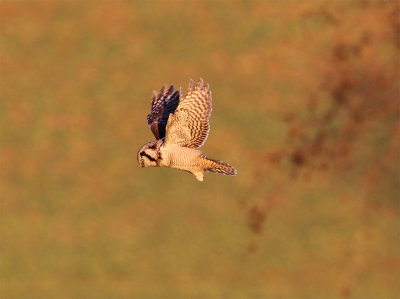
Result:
pixel 305 106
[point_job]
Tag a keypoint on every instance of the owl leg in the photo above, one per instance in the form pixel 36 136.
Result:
pixel 199 175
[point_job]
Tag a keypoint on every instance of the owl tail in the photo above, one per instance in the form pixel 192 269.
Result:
pixel 218 167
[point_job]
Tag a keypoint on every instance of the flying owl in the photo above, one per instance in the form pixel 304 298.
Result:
pixel 180 124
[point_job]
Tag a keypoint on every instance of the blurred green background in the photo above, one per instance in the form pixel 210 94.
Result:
pixel 305 106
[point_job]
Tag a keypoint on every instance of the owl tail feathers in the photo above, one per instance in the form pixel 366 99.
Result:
pixel 218 167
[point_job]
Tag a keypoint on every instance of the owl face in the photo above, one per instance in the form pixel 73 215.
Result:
pixel 148 154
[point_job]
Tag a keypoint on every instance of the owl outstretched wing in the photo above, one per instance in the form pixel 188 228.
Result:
pixel 189 125
pixel 163 104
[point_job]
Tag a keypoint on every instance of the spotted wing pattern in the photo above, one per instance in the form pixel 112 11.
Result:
pixel 163 104
pixel 189 125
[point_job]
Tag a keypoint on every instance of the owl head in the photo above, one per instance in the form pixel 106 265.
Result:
pixel 149 154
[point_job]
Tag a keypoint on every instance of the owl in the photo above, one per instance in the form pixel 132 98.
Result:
pixel 180 124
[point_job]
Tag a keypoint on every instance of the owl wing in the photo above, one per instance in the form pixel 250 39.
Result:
pixel 189 125
pixel 163 104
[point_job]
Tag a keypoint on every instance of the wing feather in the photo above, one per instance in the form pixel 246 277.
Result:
pixel 163 104
pixel 189 125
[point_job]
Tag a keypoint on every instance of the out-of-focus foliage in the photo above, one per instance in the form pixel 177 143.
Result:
pixel 305 107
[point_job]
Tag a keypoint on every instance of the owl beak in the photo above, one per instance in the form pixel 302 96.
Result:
pixel 140 162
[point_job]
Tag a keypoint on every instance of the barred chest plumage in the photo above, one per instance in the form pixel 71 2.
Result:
pixel 180 157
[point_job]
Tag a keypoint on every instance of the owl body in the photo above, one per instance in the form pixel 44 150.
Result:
pixel 179 157
pixel 180 124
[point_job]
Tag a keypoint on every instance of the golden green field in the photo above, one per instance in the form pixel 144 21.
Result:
pixel 305 106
